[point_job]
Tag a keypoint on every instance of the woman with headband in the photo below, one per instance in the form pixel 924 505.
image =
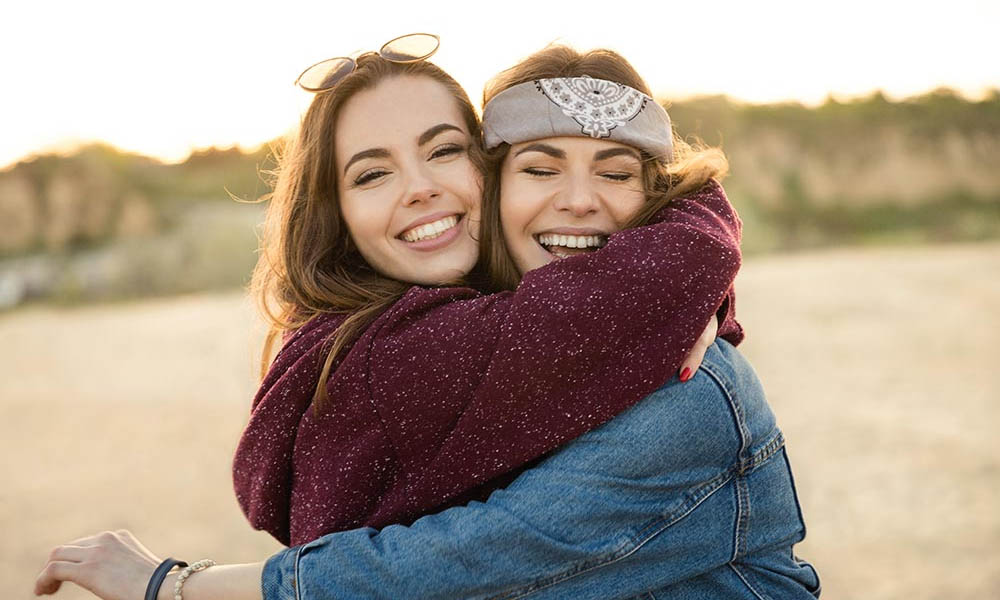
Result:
pixel 448 389
pixel 527 409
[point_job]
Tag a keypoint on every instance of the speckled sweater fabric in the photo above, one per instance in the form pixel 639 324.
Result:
pixel 451 393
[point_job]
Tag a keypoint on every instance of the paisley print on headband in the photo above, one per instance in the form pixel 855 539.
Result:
pixel 597 105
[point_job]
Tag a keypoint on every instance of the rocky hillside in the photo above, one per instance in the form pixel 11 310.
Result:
pixel 101 223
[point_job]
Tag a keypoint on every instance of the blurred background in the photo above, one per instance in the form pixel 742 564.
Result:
pixel 864 141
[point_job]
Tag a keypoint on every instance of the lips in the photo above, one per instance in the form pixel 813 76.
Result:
pixel 431 230
pixel 566 243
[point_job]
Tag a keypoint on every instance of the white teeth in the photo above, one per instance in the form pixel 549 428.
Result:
pixel 571 241
pixel 429 231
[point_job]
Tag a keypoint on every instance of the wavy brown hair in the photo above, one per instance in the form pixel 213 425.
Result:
pixel 308 264
pixel 692 166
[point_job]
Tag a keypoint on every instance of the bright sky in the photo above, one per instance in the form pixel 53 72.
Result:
pixel 163 78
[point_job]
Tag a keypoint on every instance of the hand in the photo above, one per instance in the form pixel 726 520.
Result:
pixel 697 354
pixel 112 565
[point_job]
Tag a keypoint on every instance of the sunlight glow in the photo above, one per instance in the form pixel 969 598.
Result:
pixel 164 79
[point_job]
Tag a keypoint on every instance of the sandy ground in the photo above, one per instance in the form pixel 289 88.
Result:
pixel 881 365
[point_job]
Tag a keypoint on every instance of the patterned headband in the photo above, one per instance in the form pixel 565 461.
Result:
pixel 578 106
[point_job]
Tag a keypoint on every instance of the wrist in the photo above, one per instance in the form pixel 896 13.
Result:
pixel 221 582
pixel 166 591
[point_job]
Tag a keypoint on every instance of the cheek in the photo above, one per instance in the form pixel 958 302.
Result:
pixel 349 212
pixel 626 205
pixel 518 207
pixel 512 219
pixel 365 221
pixel 472 195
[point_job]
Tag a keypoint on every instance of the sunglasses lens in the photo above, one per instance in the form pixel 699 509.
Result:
pixel 410 48
pixel 326 74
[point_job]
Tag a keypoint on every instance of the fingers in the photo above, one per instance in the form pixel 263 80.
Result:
pixel 693 360
pixel 105 538
pixel 54 573
pixel 111 564
pixel 68 553
pixel 67 562
pixel 95 539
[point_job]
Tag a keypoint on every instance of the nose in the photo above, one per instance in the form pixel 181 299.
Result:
pixel 578 197
pixel 420 187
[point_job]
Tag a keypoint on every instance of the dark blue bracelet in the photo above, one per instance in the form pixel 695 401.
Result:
pixel 153 588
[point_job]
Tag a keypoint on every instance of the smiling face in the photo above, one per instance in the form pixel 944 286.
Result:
pixel 409 191
pixel 563 196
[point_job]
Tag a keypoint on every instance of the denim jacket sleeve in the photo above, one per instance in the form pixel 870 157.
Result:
pixel 426 561
pixel 610 515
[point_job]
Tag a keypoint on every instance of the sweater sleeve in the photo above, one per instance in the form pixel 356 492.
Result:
pixel 730 229
pixel 578 342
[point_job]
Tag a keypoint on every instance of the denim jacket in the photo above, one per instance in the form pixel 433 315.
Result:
pixel 688 494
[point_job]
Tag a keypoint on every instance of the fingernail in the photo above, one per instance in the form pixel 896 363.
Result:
pixel 686 374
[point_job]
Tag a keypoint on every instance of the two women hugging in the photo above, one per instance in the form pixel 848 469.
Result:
pixel 507 364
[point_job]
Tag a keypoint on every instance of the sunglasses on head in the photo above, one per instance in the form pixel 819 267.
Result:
pixel 409 48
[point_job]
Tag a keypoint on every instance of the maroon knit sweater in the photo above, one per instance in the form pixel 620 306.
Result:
pixel 450 393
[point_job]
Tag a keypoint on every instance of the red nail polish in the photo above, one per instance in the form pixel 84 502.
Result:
pixel 685 374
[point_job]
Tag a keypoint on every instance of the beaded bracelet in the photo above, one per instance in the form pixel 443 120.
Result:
pixel 159 574
pixel 186 572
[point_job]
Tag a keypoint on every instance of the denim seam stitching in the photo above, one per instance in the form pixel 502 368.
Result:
pixel 630 546
pixel 747 583
pixel 657 526
pixel 697 496
pixel 737 411
pixel 296 583
pixel 775 443
pixel 742 523
pixel 767 451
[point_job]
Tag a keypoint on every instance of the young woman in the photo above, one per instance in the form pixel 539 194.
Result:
pixel 432 393
pixel 520 373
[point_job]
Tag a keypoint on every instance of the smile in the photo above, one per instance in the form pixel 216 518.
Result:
pixel 429 231
pixel 563 246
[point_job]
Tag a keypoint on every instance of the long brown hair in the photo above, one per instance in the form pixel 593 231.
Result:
pixel 691 167
pixel 308 263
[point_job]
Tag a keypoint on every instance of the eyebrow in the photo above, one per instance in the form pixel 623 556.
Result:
pixel 544 149
pixel 383 153
pixel 612 152
pixel 370 153
pixel 431 133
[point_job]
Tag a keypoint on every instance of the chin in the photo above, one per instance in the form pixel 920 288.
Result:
pixel 527 267
pixel 539 259
pixel 446 274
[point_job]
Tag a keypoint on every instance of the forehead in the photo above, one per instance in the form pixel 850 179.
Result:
pixel 394 113
pixel 584 147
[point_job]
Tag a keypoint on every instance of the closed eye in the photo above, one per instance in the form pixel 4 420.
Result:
pixel 370 175
pixel 536 172
pixel 447 150
pixel 617 176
